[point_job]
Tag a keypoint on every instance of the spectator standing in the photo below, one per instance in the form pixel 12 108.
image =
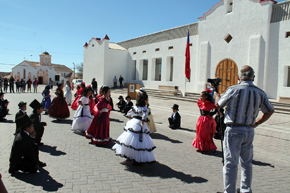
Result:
pixel 115 82
pixel 242 103
pixel 95 86
pixel 1 84
pixel 51 84
pixel 11 84
pixel 5 84
pixel 23 85
pixel 29 82
pixel 35 84
pixel 121 79
pixel 18 86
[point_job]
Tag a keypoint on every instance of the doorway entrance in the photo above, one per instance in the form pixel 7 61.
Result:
pixel 227 70
pixel 40 80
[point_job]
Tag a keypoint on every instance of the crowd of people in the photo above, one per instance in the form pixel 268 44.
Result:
pixel 235 126
pixel 20 85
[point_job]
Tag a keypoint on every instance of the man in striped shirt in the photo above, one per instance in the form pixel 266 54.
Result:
pixel 242 103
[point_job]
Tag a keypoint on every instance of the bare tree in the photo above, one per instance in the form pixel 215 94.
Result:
pixel 79 68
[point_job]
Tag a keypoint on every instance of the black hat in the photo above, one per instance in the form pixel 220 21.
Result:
pixel 175 106
pixel 35 104
pixel 120 97
pixel 21 104
pixel 23 121
pixel 128 97
pixel 5 101
pixel 222 110
pixel 1 93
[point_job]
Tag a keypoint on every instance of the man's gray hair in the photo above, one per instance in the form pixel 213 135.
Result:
pixel 246 72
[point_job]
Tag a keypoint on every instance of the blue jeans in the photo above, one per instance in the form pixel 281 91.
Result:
pixel 238 147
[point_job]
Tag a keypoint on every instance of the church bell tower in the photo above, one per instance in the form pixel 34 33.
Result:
pixel 45 59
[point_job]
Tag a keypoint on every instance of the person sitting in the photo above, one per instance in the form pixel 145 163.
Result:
pixel 1 98
pixel 218 120
pixel 36 117
pixel 4 110
pixel 121 103
pixel 175 119
pixel 128 105
pixel 20 113
pixel 24 152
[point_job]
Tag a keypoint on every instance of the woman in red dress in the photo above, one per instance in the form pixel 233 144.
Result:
pixel 58 108
pixel 79 93
pixel 99 130
pixel 206 125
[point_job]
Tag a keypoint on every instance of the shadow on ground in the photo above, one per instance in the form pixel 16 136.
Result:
pixel 116 120
pixel 108 146
pixel 186 129
pixel 67 121
pixel 42 178
pixel 254 162
pixel 163 137
pixel 51 150
pixel 8 121
pixel 163 171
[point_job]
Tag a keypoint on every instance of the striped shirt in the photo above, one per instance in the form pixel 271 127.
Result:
pixel 243 102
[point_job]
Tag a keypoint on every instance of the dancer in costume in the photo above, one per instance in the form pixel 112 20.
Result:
pixel 68 94
pixel 46 101
pixel 206 125
pixel 58 108
pixel 135 142
pixel 91 100
pixel 79 93
pixel 99 130
pixel 83 119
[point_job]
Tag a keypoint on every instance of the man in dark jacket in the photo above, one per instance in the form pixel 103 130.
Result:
pixel 175 119
pixel 24 153
pixel 20 113
pixel 36 117
pixel 11 84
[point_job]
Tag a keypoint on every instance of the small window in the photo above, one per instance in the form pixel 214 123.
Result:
pixel 287 34
pixel 93 45
pixel 190 45
pixel 134 53
pixel 145 70
pixel 144 52
pixel 288 82
pixel 170 48
pixel 157 50
pixel 230 6
pixel 228 38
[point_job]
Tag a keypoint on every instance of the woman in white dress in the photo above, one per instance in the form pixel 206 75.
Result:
pixel 83 119
pixel 68 94
pixel 135 142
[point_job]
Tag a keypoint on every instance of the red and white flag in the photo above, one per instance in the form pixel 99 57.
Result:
pixel 187 58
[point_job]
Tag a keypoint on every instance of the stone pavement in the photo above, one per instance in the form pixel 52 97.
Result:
pixel 75 165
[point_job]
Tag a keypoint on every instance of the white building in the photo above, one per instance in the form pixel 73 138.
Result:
pixel 43 70
pixel 230 35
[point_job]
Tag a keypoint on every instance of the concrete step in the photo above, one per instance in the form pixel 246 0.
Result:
pixel 194 97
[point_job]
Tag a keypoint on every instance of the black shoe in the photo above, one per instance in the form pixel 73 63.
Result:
pixel 41 164
pixel 238 190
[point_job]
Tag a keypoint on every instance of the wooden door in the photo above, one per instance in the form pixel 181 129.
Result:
pixel 227 70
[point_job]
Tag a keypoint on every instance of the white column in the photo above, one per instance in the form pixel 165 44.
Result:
pixel 203 65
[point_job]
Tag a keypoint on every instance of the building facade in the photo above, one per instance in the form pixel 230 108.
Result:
pixel 231 34
pixel 43 70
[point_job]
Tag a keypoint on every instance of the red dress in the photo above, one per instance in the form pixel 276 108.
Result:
pixel 92 104
pixel 58 108
pixel 205 128
pixel 75 103
pixel 99 130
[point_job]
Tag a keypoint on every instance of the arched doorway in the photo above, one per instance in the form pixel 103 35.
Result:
pixel 227 70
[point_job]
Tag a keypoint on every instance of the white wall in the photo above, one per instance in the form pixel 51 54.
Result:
pixel 28 69
pixel 279 59
pixel 249 25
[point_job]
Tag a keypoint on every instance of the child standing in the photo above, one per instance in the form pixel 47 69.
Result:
pixel 206 125
pixel 36 119
pixel 128 105
pixel 83 119
pixel 22 111
pixel 99 130
pixel 46 101
pixel 135 142
pixel 68 94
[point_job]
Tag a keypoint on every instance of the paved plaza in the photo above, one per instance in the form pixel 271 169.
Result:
pixel 75 165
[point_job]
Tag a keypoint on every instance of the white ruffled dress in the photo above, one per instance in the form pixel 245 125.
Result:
pixel 82 119
pixel 129 144
pixel 68 94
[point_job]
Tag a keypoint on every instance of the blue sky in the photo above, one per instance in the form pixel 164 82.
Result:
pixel 61 27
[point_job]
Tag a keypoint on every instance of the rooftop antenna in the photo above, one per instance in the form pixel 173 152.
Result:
pixel 31 57
pixel 41 48
pixel 24 58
